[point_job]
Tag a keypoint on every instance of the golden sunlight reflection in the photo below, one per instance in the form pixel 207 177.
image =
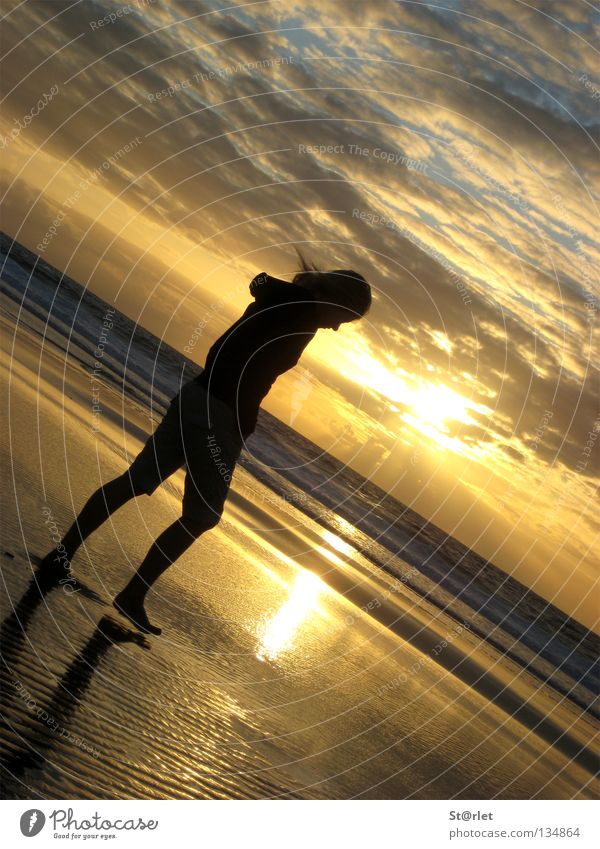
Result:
pixel 277 634
pixel 337 543
pixel 344 525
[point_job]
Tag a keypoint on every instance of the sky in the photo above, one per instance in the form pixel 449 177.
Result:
pixel 162 154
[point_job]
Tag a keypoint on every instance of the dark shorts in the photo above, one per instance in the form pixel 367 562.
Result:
pixel 204 438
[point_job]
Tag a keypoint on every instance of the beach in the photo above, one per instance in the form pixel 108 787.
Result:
pixel 289 666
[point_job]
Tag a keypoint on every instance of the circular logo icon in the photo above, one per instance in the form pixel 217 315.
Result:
pixel 32 822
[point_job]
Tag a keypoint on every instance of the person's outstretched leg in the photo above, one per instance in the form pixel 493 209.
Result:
pixel 164 551
pixel 102 504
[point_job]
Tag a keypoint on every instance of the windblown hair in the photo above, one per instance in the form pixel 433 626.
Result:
pixel 343 287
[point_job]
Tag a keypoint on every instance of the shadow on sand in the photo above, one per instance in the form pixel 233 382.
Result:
pixel 31 747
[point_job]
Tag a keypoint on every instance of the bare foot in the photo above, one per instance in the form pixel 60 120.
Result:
pixel 134 611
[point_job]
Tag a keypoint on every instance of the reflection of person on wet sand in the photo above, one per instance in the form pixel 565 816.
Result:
pixel 209 420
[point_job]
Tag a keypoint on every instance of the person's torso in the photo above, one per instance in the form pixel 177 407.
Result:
pixel 266 341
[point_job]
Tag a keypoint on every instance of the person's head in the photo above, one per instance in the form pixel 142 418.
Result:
pixel 341 295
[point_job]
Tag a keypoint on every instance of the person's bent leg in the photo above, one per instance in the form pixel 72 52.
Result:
pixel 102 504
pixel 206 487
pixel 164 551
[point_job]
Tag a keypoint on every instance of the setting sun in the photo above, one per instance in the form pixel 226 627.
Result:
pixel 434 405
pixel 302 439
pixel 423 405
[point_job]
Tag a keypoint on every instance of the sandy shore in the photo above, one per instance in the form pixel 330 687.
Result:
pixel 269 679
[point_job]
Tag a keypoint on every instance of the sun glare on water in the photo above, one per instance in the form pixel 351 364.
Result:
pixel 434 404
pixel 277 634
pixel 337 543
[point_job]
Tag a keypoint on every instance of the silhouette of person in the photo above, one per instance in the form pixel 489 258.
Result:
pixel 208 422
